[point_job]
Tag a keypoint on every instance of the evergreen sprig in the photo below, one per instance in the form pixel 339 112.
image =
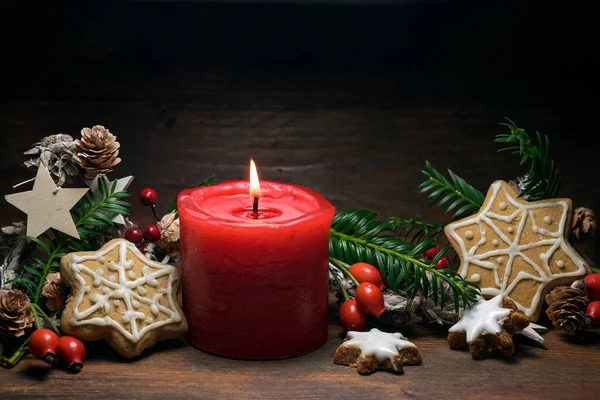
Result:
pixel 357 236
pixel 466 199
pixel 92 216
pixel 414 228
pixel 543 179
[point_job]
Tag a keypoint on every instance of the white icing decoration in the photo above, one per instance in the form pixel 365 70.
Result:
pixel 131 274
pixel 502 206
pixel 112 278
pixel 141 290
pixel 510 229
pixel 560 264
pixel 116 302
pixel 382 345
pixel 469 234
pixel 495 242
pixel 530 332
pixel 548 219
pixel 485 218
pixel 124 290
pixel 500 260
pixel 475 278
pixel 483 317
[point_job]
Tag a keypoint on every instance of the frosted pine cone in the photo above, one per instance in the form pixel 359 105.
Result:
pixel 53 292
pixel 15 313
pixel 584 222
pixel 566 308
pixel 97 151
pixel 169 234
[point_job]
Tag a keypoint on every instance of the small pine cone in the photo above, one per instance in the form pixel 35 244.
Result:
pixel 53 292
pixel 566 308
pixel 169 234
pixel 97 151
pixel 16 316
pixel 584 222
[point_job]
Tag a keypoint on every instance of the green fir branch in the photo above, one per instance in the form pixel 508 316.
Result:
pixel 543 180
pixel 357 236
pixel 414 228
pixel 463 199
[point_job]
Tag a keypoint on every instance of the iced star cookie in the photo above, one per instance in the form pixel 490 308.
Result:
pixel 121 296
pixel 517 248
pixel 488 326
pixel 373 350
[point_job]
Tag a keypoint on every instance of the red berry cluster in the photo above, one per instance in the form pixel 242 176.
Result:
pixel 151 233
pixel 45 344
pixel 432 253
pixel 592 290
pixel 368 298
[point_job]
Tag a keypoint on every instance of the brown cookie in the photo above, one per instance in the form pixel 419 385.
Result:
pixel 517 248
pixel 121 296
pixel 373 350
pixel 488 326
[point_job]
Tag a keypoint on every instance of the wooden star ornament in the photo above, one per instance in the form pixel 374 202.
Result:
pixel 517 248
pixel 47 206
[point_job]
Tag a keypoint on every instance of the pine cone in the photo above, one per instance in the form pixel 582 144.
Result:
pixel 97 151
pixel 566 308
pixel 15 313
pixel 584 222
pixel 169 234
pixel 53 292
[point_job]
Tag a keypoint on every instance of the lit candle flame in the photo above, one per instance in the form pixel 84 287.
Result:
pixel 254 183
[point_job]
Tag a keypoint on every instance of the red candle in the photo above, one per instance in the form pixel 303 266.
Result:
pixel 255 282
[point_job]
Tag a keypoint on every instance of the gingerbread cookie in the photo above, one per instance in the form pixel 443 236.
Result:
pixel 517 248
pixel 373 350
pixel 121 296
pixel 488 326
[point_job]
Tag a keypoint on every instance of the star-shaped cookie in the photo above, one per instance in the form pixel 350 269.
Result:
pixel 121 296
pixel 373 350
pixel 517 248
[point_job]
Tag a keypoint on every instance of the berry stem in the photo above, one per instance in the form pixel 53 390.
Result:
pixel 154 212
pixel 345 268
pixel 46 317
pixel 342 288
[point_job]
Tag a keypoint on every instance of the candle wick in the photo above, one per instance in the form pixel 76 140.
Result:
pixel 255 208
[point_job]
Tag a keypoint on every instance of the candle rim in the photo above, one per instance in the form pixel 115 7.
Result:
pixel 188 198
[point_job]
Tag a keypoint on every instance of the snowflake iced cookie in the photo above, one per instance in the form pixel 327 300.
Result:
pixel 121 296
pixel 517 248
pixel 487 326
pixel 373 350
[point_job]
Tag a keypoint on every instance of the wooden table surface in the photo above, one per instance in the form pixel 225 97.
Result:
pixel 349 101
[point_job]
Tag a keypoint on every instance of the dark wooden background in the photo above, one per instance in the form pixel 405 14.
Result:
pixel 348 100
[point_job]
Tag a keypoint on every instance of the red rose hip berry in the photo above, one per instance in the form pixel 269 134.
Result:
pixel 442 264
pixel 592 287
pixel 431 253
pixel 593 310
pixel 148 197
pixel 151 233
pixel 370 299
pixel 352 318
pixel 72 351
pixel 134 235
pixel 364 272
pixel 43 345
